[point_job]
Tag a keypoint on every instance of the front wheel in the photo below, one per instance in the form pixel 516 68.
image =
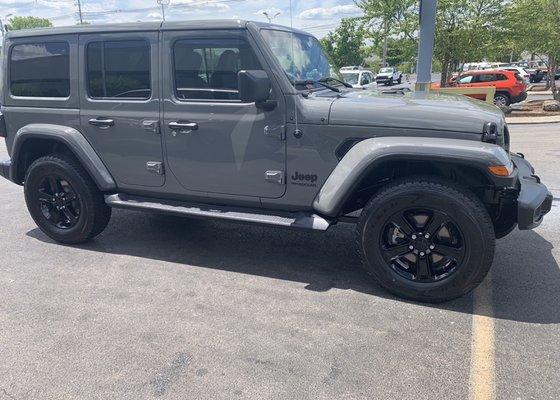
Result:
pixel 64 201
pixel 426 240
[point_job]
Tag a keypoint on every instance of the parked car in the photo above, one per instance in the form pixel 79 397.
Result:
pixel 521 71
pixel 224 120
pixel 510 86
pixel 388 76
pixel 359 79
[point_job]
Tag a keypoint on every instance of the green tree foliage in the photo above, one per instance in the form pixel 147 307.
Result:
pixel 466 31
pixel 345 46
pixel 535 26
pixel 18 22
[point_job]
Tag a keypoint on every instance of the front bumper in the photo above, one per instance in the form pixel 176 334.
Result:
pixel 5 167
pixel 534 200
pixel 382 79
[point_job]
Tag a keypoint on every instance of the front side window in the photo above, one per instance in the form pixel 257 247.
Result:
pixel 465 79
pixel 206 69
pixel 119 69
pixel 40 70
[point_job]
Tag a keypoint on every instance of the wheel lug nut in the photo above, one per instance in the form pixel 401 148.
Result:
pixel 432 247
pixel 422 254
pixel 411 247
pixel 413 236
pixel 427 235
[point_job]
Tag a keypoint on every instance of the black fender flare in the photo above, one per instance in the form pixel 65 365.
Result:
pixel 74 140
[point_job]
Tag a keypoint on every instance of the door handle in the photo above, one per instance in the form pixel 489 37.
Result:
pixel 183 126
pixel 101 122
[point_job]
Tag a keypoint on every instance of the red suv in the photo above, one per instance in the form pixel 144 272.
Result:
pixel 510 86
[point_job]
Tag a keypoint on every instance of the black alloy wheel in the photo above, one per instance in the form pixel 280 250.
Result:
pixel 422 245
pixel 58 202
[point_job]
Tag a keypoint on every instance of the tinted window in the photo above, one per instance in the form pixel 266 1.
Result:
pixel 486 78
pixel 40 70
pixel 119 69
pixel 206 69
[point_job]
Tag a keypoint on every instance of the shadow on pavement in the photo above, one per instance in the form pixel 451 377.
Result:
pixel 526 277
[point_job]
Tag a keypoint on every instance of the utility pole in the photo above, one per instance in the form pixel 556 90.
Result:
pixel 163 3
pixel 80 11
pixel 386 33
pixel 426 44
pixel 270 17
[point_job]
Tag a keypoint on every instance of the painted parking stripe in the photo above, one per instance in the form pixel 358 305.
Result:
pixel 482 374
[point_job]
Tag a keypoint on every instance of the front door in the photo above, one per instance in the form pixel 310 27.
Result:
pixel 214 142
pixel 120 104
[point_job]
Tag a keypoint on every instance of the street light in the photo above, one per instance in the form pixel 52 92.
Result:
pixel 2 28
pixel 163 3
pixel 270 17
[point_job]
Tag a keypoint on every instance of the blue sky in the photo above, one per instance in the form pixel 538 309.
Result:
pixel 315 16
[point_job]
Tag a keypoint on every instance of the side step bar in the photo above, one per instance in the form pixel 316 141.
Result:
pixel 284 219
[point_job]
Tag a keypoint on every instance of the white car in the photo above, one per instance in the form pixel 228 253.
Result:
pixel 359 79
pixel 521 71
pixel 388 76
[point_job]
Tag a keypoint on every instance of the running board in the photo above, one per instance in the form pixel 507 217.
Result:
pixel 298 220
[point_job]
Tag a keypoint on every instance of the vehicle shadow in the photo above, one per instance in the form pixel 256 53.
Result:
pixel 525 275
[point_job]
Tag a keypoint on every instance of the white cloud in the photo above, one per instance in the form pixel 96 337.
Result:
pixel 331 12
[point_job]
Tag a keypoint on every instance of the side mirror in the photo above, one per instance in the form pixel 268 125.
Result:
pixel 255 86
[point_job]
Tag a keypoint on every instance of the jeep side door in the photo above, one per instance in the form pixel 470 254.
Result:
pixel 119 101
pixel 215 143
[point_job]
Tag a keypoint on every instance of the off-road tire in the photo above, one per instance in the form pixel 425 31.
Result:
pixel 94 213
pixel 417 192
pixel 399 81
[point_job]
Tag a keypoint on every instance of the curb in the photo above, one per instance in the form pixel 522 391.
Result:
pixel 553 119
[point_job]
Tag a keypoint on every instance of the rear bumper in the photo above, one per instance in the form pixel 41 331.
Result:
pixel 5 168
pixel 520 98
pixel 534 200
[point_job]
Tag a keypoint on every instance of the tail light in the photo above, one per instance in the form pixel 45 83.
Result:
pixel 3 131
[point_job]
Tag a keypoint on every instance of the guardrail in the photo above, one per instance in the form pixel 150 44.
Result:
pixel 488 91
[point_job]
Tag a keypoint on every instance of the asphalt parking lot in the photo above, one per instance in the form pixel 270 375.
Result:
pixel 159 307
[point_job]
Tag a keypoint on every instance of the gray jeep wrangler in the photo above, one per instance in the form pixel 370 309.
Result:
pixel 243 121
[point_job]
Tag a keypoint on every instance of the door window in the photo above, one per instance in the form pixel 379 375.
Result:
pixel 465 79
pixel 486 78
pixel 40 70
pixel 119 69
pixel 206 69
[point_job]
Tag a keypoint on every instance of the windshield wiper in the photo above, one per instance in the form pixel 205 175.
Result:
pixel 312 82
pixel 330 78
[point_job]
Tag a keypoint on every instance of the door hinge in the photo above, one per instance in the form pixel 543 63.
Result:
pixel 155 167
pixel 275 176
pixel 151 125
pixel 277 132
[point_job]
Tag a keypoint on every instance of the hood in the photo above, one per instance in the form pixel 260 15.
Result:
pixel 415 110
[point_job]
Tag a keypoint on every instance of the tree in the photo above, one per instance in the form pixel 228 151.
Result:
pixel 386 19
pixel 19 22
pixel 535 25
pixel 345 46
pixel 466 31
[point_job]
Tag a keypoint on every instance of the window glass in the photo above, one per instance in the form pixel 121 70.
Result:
pixel 206 69
pixel 119 69
pixel 40 70
pixel 486 78
pixel 465 79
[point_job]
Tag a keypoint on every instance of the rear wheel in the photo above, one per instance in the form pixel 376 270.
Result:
pixel 426 240
pixel 502 99
pixel 400 80
pixel 64 201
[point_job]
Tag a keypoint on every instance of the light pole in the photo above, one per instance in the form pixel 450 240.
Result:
pixel 163 3
pixel 2 28
pixel 426 44
pixel 269 16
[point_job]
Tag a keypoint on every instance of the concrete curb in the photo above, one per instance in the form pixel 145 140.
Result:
pixel 552 119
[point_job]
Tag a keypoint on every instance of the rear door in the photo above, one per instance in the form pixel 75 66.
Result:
pixel 120 104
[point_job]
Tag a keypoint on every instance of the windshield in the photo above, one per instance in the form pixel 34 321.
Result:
pixel 351 78
pixel 386 71
pixel 301 56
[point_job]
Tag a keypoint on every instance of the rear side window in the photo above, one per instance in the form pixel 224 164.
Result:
pixel 486 78
pixel 206 69
pixel 40 70
pixel 119 69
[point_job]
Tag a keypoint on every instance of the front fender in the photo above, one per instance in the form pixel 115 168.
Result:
pixel 369 153
pixel 74 140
